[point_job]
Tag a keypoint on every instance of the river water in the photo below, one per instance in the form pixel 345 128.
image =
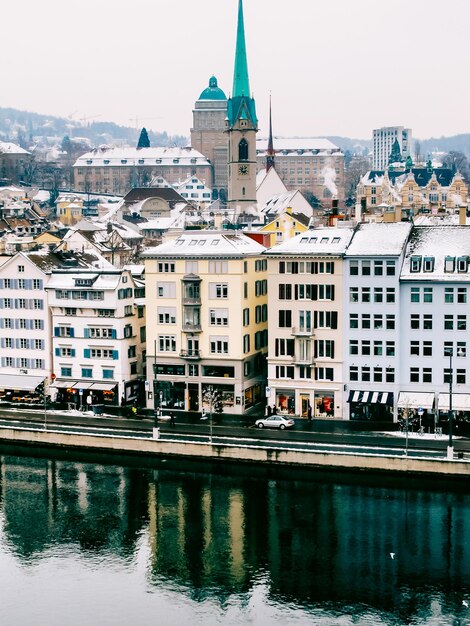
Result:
pixel 84 543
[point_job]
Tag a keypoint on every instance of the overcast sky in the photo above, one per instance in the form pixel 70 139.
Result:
pixel 334 67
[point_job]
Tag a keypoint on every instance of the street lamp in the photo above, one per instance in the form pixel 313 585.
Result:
pixel 450 445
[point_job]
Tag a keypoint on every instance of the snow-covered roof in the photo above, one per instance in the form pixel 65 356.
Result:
pixel 437 243
pixel 10 148
pixel 207 244
pixel 42 196
pixel 129 156
pixel 279 203
pixel 324 241
pixel 308 144
pixel 379 239
pixel 105 280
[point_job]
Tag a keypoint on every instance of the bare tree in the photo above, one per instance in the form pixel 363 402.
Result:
pixel 457 162
pixel 358 166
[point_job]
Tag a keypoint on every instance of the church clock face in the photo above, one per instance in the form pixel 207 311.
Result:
pixel 243 170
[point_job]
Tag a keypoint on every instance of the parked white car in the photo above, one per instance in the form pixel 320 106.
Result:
pixel 274 421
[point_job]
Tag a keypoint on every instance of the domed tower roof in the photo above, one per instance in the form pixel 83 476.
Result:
pixel 213 92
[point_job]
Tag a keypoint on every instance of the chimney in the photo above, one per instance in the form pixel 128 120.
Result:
pixel 462 216
pixel 334 207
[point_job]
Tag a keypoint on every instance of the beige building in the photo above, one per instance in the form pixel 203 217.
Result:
pixel 14 163
pixel 208 134
pixel 312 165
pixel 417 190
pixel 305 361
pixel 206 293
pixel 117 170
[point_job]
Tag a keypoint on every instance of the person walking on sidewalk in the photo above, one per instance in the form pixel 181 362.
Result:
pixel 172 418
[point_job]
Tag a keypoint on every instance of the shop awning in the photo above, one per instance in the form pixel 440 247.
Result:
pixel 82 385
pixel 62 384
pixel 102 387
pixel 21 382
pixel 371 397
pixel 460 402
pixel 414 400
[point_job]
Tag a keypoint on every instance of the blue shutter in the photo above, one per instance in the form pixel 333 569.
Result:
pixel 57 351
pixel 56 331
pixel 72 352
pixel 86 353
pixel 86 333
pixel 1 303
pixel 17 343
pixel 28 283
pixel 115 355
pixel 2 322
pixel 14 283
pixel 72 332
pixel 113 334
pixel 3 361
pixel 2 342
pixel 2 283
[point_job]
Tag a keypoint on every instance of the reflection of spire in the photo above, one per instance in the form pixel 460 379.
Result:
pixel 241 83
pixel 270 153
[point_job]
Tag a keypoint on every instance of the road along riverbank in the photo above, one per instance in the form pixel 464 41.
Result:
pixel 239 453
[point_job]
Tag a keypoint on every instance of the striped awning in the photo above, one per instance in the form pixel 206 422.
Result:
pixel 371 397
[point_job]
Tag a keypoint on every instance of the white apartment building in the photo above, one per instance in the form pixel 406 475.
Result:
pixel 98 320
pixel 371 315
pixel 305 289
pixel 435 314
pixel 383 140
pixel 25 327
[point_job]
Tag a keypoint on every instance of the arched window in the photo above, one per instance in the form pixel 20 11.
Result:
pixel 243 150
pixel 327 193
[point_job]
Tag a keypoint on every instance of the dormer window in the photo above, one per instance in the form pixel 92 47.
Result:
pixel 324 240
pixel 83 282
pixel 141 161
pixel 158 160
pixel 176 160
pixel 193 160
pixel 106 161
pixel 89 162
pixel 415 264
pixel 462 264
pixel 428 264
pixel 449 264
pixel 123 161
pixel 335 240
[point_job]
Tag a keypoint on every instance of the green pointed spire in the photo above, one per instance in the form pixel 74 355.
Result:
pixel 241 82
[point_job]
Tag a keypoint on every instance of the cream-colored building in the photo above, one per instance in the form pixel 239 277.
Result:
pixel 309 164
pixel 206 293
pixel 417 190
pixel 305 360
pixel 117 170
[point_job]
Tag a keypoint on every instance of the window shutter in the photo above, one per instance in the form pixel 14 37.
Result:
pixel 28 283
pixel 15 301
pixel 314 292
pixel 332 292
pixel 86 333
pixel 115 355
pixel 276 350
pixel 57 351
pixel 2 342
pixel 332 349
pixel 296 292
pixel 14 283
pixel 72 332
pixel 3 361
pixel 72 352
pixel 56 331
pixel 113 334
pixel 1 303
pixel 334 319
pixel 315 319
pixel 2 322
pixel 86 353
pixel 2 283
pixel 315 355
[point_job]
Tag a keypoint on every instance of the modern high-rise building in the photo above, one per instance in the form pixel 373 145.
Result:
pixel 384 138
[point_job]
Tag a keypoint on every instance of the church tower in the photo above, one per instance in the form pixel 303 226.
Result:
pixel 242 126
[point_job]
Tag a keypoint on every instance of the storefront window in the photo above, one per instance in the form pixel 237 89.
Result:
pixel 324 405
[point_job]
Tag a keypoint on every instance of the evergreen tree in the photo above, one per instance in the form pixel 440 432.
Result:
pixel 144 141
pixel 395 154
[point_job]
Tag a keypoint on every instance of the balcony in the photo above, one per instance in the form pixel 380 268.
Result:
pixel 192 327
pixel 302 360
pixel 302 331
pixel 191 300
pixel 191 355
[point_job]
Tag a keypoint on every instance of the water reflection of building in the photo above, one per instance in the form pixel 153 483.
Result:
pixel 310 541
pixel 46 502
